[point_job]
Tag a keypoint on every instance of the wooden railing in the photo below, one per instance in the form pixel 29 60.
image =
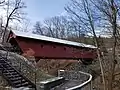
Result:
pixel 24 66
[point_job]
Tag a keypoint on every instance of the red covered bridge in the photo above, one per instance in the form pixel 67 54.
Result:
pixel 43 47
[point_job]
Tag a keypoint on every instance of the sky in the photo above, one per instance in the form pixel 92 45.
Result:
pixel 38 10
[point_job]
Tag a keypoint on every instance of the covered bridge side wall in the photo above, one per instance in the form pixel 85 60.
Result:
pixel 50 50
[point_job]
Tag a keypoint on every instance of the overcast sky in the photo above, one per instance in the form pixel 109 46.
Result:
pixel 38 10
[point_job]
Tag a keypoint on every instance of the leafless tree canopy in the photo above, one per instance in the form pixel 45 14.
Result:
pixel 38 28
pixel 14 12
pixel 2 1
pixel 99 16
pixel 59 27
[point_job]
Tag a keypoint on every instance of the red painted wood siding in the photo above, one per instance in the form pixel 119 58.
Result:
pixel 45 49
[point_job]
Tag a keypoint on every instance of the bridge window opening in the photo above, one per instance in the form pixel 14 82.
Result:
pixel 64 48
pixel 41 46
pixel 54 46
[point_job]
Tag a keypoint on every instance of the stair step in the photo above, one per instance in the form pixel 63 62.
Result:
pixel 19 81
pixel 30 86
pixel 6 66
pixel 9 74
pixel 11 69
pixel 16 79
pixel 5 71
pixel 1 69
pixel 13 73
pixel 25 83
pixel 12 76
pixel 17 75
pixel 22 84
pixel 2 61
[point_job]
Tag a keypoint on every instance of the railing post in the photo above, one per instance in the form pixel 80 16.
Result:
pixel 91 85
pixel 35 78
pixel 6 54
pixel 20 71
pixel 59 73
pixel 2 70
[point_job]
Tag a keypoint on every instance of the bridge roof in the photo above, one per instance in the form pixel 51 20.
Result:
pixel 50 39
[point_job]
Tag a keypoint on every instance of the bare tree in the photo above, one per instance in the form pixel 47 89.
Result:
pixel 13 12
pixel 110 11
pixel 56 26
pixel 63 27
pixel 49 28
pixel 95 15
pixel 38 29
pixel 2 1
pixel 59 27
pixel 82 14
